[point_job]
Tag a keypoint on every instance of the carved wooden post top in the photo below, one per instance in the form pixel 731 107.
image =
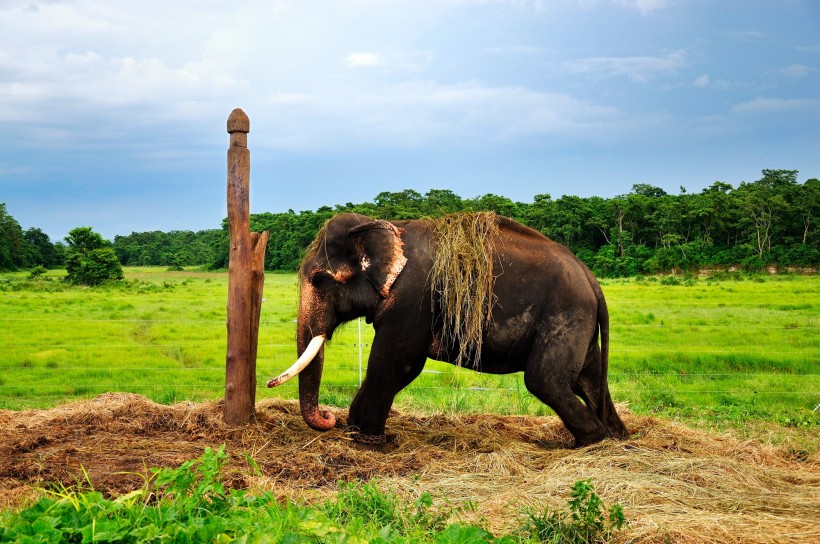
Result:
pixel 238 126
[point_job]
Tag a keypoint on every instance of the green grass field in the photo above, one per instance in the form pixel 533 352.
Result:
pixel 722 351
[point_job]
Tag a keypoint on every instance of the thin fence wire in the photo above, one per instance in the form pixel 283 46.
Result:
pixel 652 322
pixel 347 361
pixel 195 300
pixel 665 350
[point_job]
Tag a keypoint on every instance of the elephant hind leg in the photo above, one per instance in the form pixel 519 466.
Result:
pixel 588 387
pixel 551 375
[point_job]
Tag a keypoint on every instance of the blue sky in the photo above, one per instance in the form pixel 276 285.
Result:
pixel 112 113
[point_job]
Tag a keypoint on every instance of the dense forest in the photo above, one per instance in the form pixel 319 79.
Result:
pixel 772 221
pixel 26 249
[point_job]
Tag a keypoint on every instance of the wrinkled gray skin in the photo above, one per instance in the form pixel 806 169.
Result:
pixel 545 323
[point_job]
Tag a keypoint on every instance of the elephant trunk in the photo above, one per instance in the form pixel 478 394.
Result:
pixel 309 380
pixel 309 365
pixel 308 337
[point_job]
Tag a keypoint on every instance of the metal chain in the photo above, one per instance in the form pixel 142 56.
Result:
pixel 374 439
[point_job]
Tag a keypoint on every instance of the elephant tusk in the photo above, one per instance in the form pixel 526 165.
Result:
pixel 307 356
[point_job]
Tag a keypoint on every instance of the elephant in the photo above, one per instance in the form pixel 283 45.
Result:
pixel 542 313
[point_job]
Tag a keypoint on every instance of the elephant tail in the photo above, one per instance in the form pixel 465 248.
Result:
pixel 603 325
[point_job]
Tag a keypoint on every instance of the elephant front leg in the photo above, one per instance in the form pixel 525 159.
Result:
pixel 389 370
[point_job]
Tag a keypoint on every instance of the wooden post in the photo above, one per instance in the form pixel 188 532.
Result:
pixel 246 277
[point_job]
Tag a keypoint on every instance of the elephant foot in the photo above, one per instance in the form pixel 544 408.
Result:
pixel 618 430
pixel 581 442
pixel 620 434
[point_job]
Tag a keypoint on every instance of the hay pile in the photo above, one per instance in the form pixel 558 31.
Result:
pixel 461 280
pixel 675 484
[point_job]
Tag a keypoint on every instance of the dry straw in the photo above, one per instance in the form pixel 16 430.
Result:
pixel 461 280
pixel 675 484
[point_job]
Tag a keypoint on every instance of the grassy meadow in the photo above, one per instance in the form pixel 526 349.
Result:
pixel 723 351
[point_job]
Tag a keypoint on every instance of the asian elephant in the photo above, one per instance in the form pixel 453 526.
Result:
pixel 473 289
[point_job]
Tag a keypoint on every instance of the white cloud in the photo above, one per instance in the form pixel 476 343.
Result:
pixel 779 105
pixel 9 171
pixel 746 36
pixel 358 60
pixel 518 50
pixel 637 69
pixel 644 6
pixel 796 71
pixel 538 5
pixel 705 81
pixel 416 113
pixel 391 62
pixel 111 74
pixel 87 73
pixel 762 116
pixel 543 6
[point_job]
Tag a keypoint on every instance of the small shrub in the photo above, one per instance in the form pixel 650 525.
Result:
pixel 169 396
pixel 386 510
pixel 670 280
pixel 36 272
pixel 587 520
pixel 645 319
pixel 364 501
pixel 657 401
pixel 176 264
pixel 90 260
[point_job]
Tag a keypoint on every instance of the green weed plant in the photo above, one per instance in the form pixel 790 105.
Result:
pixel 586 521
pixel 191 504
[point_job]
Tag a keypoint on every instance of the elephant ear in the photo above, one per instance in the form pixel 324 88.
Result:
pixel 379 246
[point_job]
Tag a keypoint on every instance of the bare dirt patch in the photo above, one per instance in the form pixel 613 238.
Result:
pixel 675 484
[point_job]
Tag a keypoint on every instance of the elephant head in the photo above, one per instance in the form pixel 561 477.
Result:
pixel 350 266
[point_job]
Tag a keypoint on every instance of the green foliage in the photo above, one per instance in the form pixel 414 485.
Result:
pixel 587 520
pixel 191 504
pixel 670 280
pixel 31 248
pixel 188 504
pixel 183 248
pixel 36 272
pixel 177 264
pixel 89 258
pixel 41 252
pixel 12 242
pixel 394 515
pixel 771 221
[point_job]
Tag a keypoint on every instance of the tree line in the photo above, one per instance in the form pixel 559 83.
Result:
pixel 770 221
pixel 26 249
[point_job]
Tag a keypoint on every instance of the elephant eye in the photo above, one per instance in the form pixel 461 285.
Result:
pixel 322 280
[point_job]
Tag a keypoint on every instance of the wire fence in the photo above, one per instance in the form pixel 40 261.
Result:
pixel 173 359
